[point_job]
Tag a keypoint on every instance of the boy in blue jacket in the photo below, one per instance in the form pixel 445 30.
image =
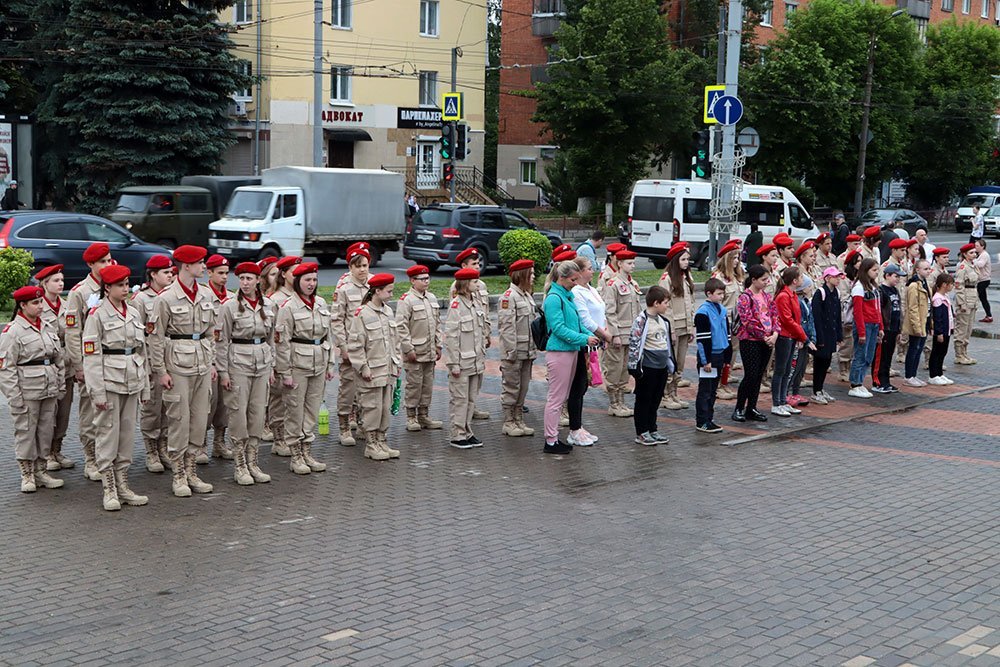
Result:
pixel 712 336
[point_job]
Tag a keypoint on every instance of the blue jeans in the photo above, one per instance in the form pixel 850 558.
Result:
pixel 864 354
pixel 913 352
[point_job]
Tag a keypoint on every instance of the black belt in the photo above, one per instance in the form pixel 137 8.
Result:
pixel 196 336
pixel 127 350
pixel 38 362
pixel 309 341
pixel 249 341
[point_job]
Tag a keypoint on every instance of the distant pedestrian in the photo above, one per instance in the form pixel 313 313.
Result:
pixel 978 224
pixel 926 248
pixel 944 325
pixel 651 361
pixel 916 321
pixel 9 201
pixel 891 307
pixel 865 300
pixel 757 332
pixel 752 243
pixel 714 352
pixel 839 231
pixel 589 247
pixel 985 269
pixel 826 312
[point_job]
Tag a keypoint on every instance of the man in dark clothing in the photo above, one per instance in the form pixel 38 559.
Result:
pixel 754 240
pixel 839 232
pixel 887 237
pixel 9 201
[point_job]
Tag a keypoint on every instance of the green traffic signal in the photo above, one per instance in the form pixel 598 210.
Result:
pixel 447 139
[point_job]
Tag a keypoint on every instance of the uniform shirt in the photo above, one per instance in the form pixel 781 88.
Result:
pixel 464 337
pixel 246 338
pixel 221 297
pixel 373 346
pixel 966 279
pixel 20 343
pixel 281 295
pixel 733 289
pixel 870 253
pixel 52 315
pixel 825 261
pixel 175 314
pixel 143 301
pixel 84 296
pixel 623 299
pixel 417 324
pixel 515 311
pixel 346 301
pixel 302 338
pixel 681 313
pixel 607 273
pixel 114 352
pixel 481 299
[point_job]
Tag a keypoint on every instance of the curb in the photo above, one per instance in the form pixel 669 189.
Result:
pixel 982 333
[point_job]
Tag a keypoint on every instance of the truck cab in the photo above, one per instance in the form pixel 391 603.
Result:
pixel 260 222
pixel 168 215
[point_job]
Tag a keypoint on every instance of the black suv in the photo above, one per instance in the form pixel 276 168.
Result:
pixel 438 233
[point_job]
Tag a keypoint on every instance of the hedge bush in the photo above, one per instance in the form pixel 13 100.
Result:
pixel 526 244
pixel 15 269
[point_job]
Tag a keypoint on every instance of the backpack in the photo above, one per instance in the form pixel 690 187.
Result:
pixel 539 331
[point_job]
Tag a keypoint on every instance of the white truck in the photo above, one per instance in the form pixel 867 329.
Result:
pixel 312 212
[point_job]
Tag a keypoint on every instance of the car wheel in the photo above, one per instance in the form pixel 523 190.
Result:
pixel 376 256
pixel 326 261
pixel 269 251
pixel 660 263
pixel 169 244
pixel 433 266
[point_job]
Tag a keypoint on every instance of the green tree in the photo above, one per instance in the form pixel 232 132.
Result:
pixel 492 94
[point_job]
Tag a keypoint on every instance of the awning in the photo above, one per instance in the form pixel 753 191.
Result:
pixel 347 135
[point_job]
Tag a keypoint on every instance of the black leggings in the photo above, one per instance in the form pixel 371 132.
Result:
pixel 755 355
pixel 939 351
pixel 981 287
pixel 574 404
pixel 821 366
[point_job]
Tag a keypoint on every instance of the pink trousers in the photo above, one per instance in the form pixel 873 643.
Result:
pixel 561 368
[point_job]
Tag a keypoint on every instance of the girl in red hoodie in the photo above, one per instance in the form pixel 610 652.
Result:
pixel 867 325
pixel 791 336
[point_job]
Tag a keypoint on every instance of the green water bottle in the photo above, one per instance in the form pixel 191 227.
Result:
pixel 324 420
pixel 397 396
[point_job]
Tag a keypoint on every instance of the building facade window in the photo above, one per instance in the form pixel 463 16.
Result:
pixel 528 172
pixel 245 68
pixel 341 14
pixel 340 84
pixel 986 9
pixel 428 89
pixel 947 5
pixel 966 6
pixel 429 18
pixel 765 18
pixel 243 11
pixel 790 8
pixel 922 30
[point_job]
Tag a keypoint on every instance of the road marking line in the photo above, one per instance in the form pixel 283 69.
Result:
pixel 340 634
pixel 860 661
pixel 974 650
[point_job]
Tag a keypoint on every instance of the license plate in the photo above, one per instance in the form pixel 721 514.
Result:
pixel 425 237
pixel 639 236
pixel 225 251
pixel 226 243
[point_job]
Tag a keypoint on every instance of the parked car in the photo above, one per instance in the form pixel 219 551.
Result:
pixel 909 220
pixel 54 237
pixel 983 196
pixel 991 221
pixel 440 232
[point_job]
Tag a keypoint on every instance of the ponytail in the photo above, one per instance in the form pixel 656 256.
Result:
pixel 368 296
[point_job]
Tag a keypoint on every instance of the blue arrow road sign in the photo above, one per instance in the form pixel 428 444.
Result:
pixel 728 110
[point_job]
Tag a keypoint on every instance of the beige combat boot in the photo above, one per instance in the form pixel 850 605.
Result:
pixel 90 463
pixel 620 409
pixel 278 445
pixel 220 450
pixel 27 476
pixel 612 402
pixel 125 492
pixel 479 414
pixel 267 435
pixel 383 440
pixel 161 449
pixel 259 476
pixel 314 465
pixel 372 449
pixel 194 482
pixel 55 460
pixel 412 422
pixel 241 474
pixel 179 483
pixel 725 393
pixel 297 463
pixel 110 499
pixel 346 439
pixel 43 479
pixel 426 422
pixel 153 463
pixel 519 418
pixel 510 426
pixel 684 382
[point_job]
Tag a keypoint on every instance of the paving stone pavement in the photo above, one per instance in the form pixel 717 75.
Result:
pixel 870 541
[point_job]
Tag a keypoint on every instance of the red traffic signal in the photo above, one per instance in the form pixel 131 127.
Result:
pixel 448 172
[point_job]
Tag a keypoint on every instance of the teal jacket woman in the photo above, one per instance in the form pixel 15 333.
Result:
pixel 566 333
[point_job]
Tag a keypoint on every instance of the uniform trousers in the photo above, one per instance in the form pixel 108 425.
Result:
pixel 276 411
pixel 516 378
pixel 846 350
pixel 463 390
pixel 152 420
pixel 245 404
pixel 375 403
pixel 680 342
pixel 302 406
pixel 33 425
pixel 186 405
pixel 615 368
pixel 963 330
pixel 63 408
pixel 419 384
pixel 116 432
pixel 218 417
pixel 86 418
pixel 348 389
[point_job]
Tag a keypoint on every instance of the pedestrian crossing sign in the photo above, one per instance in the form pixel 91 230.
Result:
pixel 454 107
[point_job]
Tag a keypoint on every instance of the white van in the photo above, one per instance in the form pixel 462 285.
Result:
pixel 661 213
pixel 985 196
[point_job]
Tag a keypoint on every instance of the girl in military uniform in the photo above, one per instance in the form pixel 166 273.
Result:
pixel 677 281
pixel 32 379
pixel 50 279
pixel 304 362
pixel 417 321
pixel 244 356
pixel 465 354
pixel 623 297
pixel 346 301
pixel 114 365
pixel 516 310
pixel 268 275
pixel 966 302
pixel 373 347
pixel 152 415
pixel 283 280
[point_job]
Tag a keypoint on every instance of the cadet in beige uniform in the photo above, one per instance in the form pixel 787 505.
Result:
pixel 346 301
pixel 869 248
pixel 729 269
pixel 276 400
pixel 470 259
pixel 269 275
pixel 182 349
pixel 114 365
pixel 966 302
pixel 244 357
pixel 418 325
pixel 50 279
pixel 373 346
pixel 610 269
pixel 676 279
pixel 515 312
pixel 304 362
pixel 82 298
pixel 465 354
pixel 152 414
pixel 623 299
pixel 824 255
pixel 32 379
pixel 218 418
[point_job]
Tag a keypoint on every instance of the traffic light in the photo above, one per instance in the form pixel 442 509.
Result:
pixel 702 167
pixel 447 172
pixel 447 141
pixel 462 142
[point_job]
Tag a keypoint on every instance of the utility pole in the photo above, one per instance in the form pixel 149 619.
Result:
pixel 456 52
pixel 317 82
pixel 716 133
pixel 258 96
pixel 724 175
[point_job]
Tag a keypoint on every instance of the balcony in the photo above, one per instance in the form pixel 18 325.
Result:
pixel 545 17
pixel 918 9
pixel 540 74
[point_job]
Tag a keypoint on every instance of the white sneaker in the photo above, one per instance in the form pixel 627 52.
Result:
pixel 792 410
pixel 947 380
pixel 780 410
pixel 819 399
pixel 829 397
pixel 937 381
pixel 867 391
pixel 580 441
pixel 913 382
pixel 859 392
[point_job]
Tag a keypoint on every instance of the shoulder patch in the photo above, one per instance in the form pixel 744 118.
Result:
pixel 150 328
pixel 454 303
pixel 89 348
pixel 218 335
pixel 504 303
pixel 358 311
pixel 92 310
pixel 6 328
pixel 70 321
pixel 507 293
pixel 404 296
pixel 623 288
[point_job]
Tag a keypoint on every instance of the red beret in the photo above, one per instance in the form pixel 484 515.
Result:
pixel 215 261
pixel 358 245
pixel 912 242
pixel 898 243
pixel 114 274
pixel 466 254
pixel 729 247
pixel 560 249
pixel 288 262
pixel 625 254
pixel 764 249
pixel 267 261
pixel 806 245
pixel 189 254
pixel 851 256
pixel 358 253
pixel 872 232
pixel 822 237
pixel 677 249
pixel 782 240
pixel 852 238
pixel 416 270
pixel 467 274
pixel 95 252
pixel 520 265
pixel 381 280
pixel 48 271
pixel 941 251
pixel 304 268
pixel 565 256
pixel 615 248
pixel 157 262
pixel 966 248
pixel 247 267
pixel 29 293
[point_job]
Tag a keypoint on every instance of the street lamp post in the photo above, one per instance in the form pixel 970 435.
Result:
pixel 859 183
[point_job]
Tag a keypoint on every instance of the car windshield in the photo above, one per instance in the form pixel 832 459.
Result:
pixel 431 217
pixel 994 211
pixel 968 201
pixel 878 214
pixel 132 203
pixel 248 204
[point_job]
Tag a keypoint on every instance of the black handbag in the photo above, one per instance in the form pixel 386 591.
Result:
pixel 539 331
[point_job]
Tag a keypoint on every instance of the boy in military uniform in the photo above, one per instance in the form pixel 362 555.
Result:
pixel 152 417
pixel 418 322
